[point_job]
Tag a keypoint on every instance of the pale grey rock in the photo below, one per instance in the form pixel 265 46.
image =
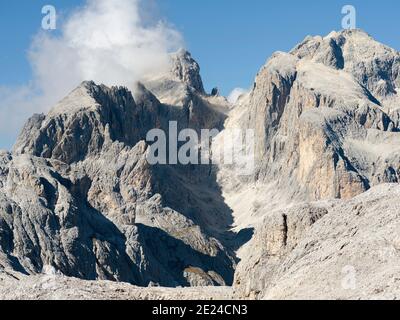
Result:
pixel 326 129
pixel 373 64
pixel 46 221
pixel 182 88
pixel 16 286
pixel 187 70
pixel 81 123
pixel 96 221
pixel 5 158
pixel 79 199
pixel 346 249
pixel 117 218
pixel 320 133
pixel 198 278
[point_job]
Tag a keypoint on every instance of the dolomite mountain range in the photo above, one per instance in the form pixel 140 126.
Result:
pixel 83 215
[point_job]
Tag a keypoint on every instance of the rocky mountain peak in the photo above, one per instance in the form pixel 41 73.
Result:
pixel 318 111
pixel 180 83
pixel 80 124
pixel 83 166
pixel 79 198
pixel 187 70
pixel 374 65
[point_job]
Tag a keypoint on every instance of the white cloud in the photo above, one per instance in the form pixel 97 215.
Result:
pixel 235 94
pixel 107 41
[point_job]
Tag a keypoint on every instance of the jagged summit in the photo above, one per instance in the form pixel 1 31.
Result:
pixel 181 82
pixel 374 65
pixel 92 115
pixel 88 96
pixel 78 197
pixel 321 123
pixel 187 70
pixel 81 124
pixel 112 216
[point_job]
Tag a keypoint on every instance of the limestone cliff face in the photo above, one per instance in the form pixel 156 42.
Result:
pixel 79 198
pixel 187 70
pixel 374 65
pixel 343 249
pixel 319 122
pixel 78 195
pixel 326 115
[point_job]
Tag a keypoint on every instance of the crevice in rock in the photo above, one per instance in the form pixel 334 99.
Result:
pixel 285 230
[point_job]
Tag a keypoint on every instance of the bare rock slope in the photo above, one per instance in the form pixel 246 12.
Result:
pixel 332 250
pixel 55 287
pixel 323 127
pixel 78 197
pixel 326 130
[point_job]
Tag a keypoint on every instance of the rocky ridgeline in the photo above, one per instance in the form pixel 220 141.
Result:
pixel 78 197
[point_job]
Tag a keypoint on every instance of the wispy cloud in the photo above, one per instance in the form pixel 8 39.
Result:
pixel 108 41
pixel 236 94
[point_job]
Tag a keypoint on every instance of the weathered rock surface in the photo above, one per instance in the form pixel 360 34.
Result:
pixel 53 287
pixel 374 65
pixel 332 250
pixel 78 197
pixel 321 132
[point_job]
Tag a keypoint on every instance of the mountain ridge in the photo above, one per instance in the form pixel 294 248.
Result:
pixel 78 196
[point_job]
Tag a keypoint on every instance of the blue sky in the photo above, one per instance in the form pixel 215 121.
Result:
pixel 231 39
